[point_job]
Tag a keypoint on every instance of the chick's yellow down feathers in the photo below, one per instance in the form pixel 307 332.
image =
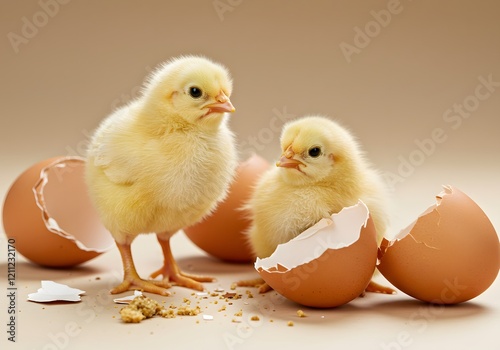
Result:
pixel 163 162
pixel 321 170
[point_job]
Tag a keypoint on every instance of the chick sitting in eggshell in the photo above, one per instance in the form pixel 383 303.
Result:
pixel 321 170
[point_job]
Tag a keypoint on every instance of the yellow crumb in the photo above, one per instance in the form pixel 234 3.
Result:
pixel 239 313
pixel 255 318
pixel 301 313
pixel 223 308
pixel 290 324
pixel 187 311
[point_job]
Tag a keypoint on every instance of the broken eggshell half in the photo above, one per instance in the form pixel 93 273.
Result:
pixel 48 213
pixel 327 265
pixel 450 254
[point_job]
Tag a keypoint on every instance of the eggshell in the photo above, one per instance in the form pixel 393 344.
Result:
pixel 49 215
pixel 329 264
pixel 222 233
pixel 450 254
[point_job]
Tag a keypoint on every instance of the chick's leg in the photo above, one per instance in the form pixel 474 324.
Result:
pixel 131 279
pixel 171 272
pixel 257 283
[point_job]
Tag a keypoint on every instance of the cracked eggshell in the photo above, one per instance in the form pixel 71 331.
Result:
pixel 450 254
pixel 49 215
pixel 222 233
pixel 329 264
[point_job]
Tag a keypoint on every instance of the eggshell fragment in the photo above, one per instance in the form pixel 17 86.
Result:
pixel 52 291
pixel 49 214
pixel 327 265
pixel 450 254
pixel 222 233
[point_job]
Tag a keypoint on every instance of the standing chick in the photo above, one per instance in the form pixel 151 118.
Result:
pixel 321 171
pixel 163 162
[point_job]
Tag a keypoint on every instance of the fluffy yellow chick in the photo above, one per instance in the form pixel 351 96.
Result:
pixel 322 170
pixel 163 162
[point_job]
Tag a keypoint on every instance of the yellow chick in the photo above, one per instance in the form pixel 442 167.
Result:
pixel 322 170
pixel 163 162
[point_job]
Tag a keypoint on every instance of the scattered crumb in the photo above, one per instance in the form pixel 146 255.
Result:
pixel 239 313
pixel 98 278
pixel 144 307
pixel 255 318
pixel 216 302
pixel 187 301
pixel 233 286
pixel 271 320
pixel 213 294
pixel 235 320
pixel 223 308
pixel 187 311
pixel 301 313
pixel 290 324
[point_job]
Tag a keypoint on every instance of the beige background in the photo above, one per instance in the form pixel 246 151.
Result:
pixel 85 58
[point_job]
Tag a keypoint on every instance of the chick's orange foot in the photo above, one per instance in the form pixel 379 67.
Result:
pixel 171 272
pixel 257 283
pixel 181 279
pixel 136 283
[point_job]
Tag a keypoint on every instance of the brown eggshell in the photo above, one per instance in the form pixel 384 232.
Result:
pixel 222 233
pixel 333 277
pixel 49 215
pixel 449 255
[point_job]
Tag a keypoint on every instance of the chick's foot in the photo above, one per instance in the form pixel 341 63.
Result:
pixel 257 283
pixel 180 278
pixel 136 283
pixel 171 272
pixel 131 279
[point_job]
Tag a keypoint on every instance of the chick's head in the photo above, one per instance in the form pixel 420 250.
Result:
pixel 316 149
pixel 192 88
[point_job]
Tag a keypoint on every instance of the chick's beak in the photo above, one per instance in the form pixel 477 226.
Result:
pixel 287 160
pixel 222 105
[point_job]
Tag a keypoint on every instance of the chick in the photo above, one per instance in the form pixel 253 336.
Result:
pixel 322 170
pixel 163 162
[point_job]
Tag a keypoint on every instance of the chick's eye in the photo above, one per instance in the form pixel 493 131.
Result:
pixel 195 92
pixel 314 152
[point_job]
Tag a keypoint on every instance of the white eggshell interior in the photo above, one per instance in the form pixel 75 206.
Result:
pixel 406 231
pixel 66 208
pixel 340 230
